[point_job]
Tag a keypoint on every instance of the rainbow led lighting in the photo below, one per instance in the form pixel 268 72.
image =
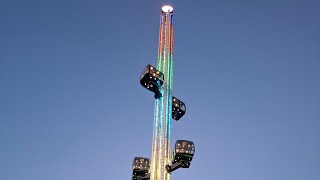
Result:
pixel 161 155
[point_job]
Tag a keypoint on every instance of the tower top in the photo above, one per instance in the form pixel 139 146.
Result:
pixel 167 8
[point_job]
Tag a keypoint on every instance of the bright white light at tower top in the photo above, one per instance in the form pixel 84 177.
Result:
pixel 167 8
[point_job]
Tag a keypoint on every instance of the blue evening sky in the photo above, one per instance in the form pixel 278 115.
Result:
pixel 72 108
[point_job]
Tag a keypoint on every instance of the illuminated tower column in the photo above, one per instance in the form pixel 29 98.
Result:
pixel 163 105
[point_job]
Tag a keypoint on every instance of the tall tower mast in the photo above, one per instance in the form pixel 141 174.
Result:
pixel 167 107
pixel 163 105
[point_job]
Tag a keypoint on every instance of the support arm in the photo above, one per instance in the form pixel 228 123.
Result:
pixel 173 166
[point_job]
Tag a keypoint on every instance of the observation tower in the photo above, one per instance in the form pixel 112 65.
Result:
pixel 167 107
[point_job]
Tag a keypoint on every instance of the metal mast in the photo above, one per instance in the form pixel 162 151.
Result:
pixel 163 105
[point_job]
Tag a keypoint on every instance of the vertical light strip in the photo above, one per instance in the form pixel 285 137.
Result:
pixel 163 106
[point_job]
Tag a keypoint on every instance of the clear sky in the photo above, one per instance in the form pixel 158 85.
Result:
pixel 72 108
